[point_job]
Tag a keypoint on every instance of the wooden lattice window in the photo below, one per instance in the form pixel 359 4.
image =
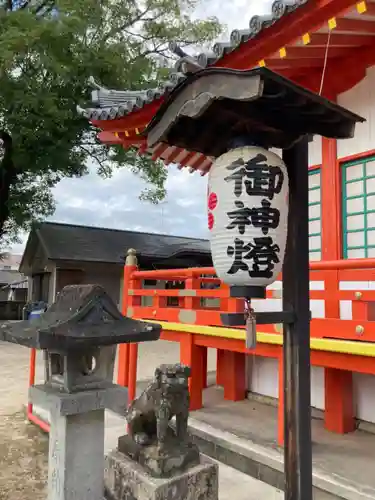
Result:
pixel 315 222
pixel 358 208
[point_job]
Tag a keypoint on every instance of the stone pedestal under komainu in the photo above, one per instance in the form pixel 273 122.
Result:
pixel 157 460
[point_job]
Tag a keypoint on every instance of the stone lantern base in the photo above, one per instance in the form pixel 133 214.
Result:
pixel 127 480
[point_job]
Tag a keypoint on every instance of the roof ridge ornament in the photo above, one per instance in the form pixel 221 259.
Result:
pixel 258 23
pixel 240 36
pixel 94 84
pixel 281 7
pixel 82 111
pixel 206 59
pixel 186 64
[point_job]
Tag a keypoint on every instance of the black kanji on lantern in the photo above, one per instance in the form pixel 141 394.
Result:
pixel 240 252
pixel 240 217
pixel 263 217
pixel 264 255
pixel 260 179
pixel 262 251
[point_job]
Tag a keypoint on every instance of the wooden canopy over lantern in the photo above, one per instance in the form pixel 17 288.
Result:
pixel 212 107
pixel 323 45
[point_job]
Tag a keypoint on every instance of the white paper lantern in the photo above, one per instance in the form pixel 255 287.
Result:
pixel 248 191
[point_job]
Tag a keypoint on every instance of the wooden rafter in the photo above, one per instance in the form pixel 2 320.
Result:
pixel 340 40
pixel 355 25
pixel 280 64
pixel 307 52
pixel 158 151
pixel 370 9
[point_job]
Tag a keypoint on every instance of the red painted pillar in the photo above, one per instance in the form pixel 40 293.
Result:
pixel 193 355
pixel 235 376
pixel 231 366
pixel 194 303
pixel 133 363
pixel 338 384
pixel 339 401
pixel 124 349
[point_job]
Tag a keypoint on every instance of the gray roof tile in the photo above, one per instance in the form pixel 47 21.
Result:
pixel 112 104
pixel 8 277
pixel 95 244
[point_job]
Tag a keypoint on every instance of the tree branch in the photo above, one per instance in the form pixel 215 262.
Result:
pixel 135 20
pixel 94 156
pixel 23 6
pixel 43 5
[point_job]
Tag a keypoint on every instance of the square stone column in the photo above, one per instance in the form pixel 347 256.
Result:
pixel 127 480
pixel 76 439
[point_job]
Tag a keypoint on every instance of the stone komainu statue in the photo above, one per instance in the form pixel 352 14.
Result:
pixel 166 397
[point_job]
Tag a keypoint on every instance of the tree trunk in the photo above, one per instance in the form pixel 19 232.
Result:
pixel 8 175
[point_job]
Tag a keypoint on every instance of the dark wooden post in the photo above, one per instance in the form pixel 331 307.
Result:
pixel 297 388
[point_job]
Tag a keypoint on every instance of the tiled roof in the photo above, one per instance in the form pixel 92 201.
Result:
pixel 9 277
pixel 112 104
pixel 95 244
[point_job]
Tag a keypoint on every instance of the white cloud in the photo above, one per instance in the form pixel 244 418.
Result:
pixel 114 202
pixel 235 14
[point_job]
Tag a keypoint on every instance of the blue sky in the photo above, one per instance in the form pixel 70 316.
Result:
pixel 114 202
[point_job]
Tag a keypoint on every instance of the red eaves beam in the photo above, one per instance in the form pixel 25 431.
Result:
pixel 308 52
pixel 286 30
pixel 339 39
pixel 355 25
pixel 109 138
pixel 341 76
pixel 370 11
pixel 158 151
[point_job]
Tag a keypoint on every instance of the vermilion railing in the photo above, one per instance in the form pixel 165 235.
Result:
pixel 189 305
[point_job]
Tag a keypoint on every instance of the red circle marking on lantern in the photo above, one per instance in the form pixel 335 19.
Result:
pixel 212 201
pixel 211 221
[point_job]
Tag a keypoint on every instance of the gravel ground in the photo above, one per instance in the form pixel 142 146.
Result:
pixel 23 459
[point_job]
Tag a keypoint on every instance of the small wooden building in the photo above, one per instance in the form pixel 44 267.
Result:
pixel 57 255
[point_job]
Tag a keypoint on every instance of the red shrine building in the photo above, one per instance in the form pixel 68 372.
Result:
pixel 327 46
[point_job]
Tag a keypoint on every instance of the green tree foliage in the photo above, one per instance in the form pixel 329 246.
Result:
pixel 48 51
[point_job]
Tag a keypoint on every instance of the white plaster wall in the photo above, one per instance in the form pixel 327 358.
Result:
pixel 361 100
pixel 315 151
pixel 364 390
pixel 264 376
pixel 317 387
pixel 264 380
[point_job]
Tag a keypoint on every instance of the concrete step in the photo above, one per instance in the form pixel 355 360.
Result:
pixel 267 464
pixel 234 485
